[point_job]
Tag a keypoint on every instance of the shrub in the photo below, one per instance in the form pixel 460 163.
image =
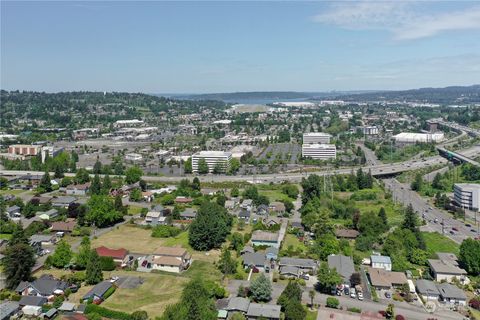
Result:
pixel 475 303
pixel 107 313
pixel 165 231
pixel 107 264
pixel 356 310
pixel 332 302
pixel 109 293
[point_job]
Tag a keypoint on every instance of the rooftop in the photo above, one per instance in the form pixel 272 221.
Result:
pixel 170 251
pixel 441 266
pixel 212 154
pixel 259 235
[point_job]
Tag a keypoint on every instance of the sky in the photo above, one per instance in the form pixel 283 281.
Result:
pixel 227 46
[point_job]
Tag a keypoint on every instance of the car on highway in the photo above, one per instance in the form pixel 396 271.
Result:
pixel 435 220
pixel 454 228
pixel 452 232
pixel 473 230
pixel 468 225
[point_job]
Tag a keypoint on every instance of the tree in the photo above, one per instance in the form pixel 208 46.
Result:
pixel 84 253
pixel 327 278
pixel 107 184
pixel 236 241
pixel 82 176
pixel 133 174
pixel 187 166
pixel 101 211
pixel 389 313
pixel 234 166
pixel 18 260
pixel 45 183
pixel 221 199
pixel 251 192
pixel 417 184
pixel 93 274
pixel 118 204
pixel 292 292
pixel 210 227
pixel 290 190
pixel 325 245
pixel 97 167
pixel 437 181
pixel 311 295
pixel 234 192
pixel 227 265
pixel 196 184
pixel 96 186
pixel 470 256
pixel 295 311
pixel 383 215
pixel 219 168
pixel 139 315
pixel 261 289
pixel 63 255
pixel 202 166
pixel 135 195
pixel 59 171
pixel 289 206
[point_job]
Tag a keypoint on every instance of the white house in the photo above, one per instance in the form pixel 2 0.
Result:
pixel 381 262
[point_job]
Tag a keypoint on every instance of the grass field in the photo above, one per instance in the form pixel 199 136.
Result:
pixel 292 240
pixel 133 210
pixel 439 243
pixel 475 314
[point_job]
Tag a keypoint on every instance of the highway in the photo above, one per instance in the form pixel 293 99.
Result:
pixel 402 193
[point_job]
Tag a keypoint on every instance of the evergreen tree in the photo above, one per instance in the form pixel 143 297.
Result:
pixel 18 260
pixel 84 253
pixel 437 181
pixel 227 264
pixel 292 292
pixel 210 227
pixel 417 184
pixel 187 166
pixel 327 278
pixel 383 215
pixel 361 181
pixel 261 289
pixel 118 204
pixel 93 274
pixel 196 184
pixel 97 167
pixel 59 171
pixel 107 184
pixel 96 186
pixel 45 182
pixel 410 219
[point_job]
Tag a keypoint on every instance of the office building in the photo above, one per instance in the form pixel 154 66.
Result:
pixel 370 130
pixel 316 137
pixel 412 138
pixel 467 195
pixel 319 151
pixel 213 159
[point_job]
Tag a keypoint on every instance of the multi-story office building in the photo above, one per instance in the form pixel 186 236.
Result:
pixel 467 195
pixel 212 158
pixel 370 130
pixel 319 151
pixel 316 137
pixel 24 149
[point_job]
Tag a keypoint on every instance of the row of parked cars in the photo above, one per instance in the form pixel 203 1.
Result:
pixel 354 293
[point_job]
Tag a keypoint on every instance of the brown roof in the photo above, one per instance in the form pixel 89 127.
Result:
pixel 383 278
pixel 113 253
pixel 170 251
pixel 259 235
pixel 346 233
pixel 64 226
pixel 169 261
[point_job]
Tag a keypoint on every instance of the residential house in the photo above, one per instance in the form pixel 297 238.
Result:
pixel 78 189
pixel 47 215
pixel 43 240
pixel 277 208
pixel 272 221
pixel 446 271
pixel 238 304
pixel 290 271
pixel 247 249
pixel 45 286
pixel 8 309
pixel 98 293
pixel 244 214
pixel 263 311
pixel 304 265
pixel 154 218
pixel 297 225
pixel 230 204
pixel 350 234
pixel 183 200
pixel 148 196
pixel 427 289
pixel 171 259
pixel 247 204
pixel 13 212
pixel 188 214
pixel 383 279
pixel 271 253
pixel 63 201
pixel 50 314
pixel 344 266
pixel 255 259
pixel 64 226
pixel 452 295
pixel 34 301
pixel 118 255
pixel 381 262
pixel 264 238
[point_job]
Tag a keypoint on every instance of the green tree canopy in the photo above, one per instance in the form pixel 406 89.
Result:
pixel 261 289
pixel 133 174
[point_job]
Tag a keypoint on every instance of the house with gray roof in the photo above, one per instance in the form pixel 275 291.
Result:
pixel 13 212
pixel 452 295
pixel 263 311
pixel 188 214
pixel 47 215
pixel 290 271
pixel 63 201
pixel 271 253
pixel 8 309
pixel 43 239
pixel 446 271
pixel 238 304
pixel 97 293
pixel 32 301
pixel 244 214
pixel 343 265
pixel 304 265
pixel 427 289
pixel 381 262
pixel 45 286
pixel 255 259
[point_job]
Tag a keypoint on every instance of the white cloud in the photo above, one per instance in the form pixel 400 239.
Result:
pixel 400 18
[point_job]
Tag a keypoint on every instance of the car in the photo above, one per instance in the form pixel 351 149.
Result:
pixel 360 296
pixel 339 292
pixel 473 230
pixel 468 225
pixel 353 293
pixel 436 220
pixel 452 232
pixel 454 229
pixel 305 276
pixel 346 291
pixel 388 295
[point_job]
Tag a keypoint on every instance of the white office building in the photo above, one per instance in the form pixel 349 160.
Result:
pixel 128 123
pixel 319 151
pixel 316 137
pixel 212 158
pixel 467 195
pixel 412 138
pixel 370 130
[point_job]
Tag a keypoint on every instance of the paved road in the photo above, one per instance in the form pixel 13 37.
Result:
pixel 402 193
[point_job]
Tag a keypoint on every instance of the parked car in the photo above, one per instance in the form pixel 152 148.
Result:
pixel 353 294
pixel 388 295
pixel 452 232
pixel 454 228
pixel 346 291
pixel 305 276
pixel 468 225
pixel 360 296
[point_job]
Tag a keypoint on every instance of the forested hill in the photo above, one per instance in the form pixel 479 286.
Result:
pixel 447 95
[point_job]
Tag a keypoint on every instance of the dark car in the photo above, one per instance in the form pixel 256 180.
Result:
pixel 468 225
pixel 346 291
pixel 454 229
pixel 388 295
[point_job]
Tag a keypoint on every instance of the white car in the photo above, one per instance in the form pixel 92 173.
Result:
pixel 360 296
pixel 353 293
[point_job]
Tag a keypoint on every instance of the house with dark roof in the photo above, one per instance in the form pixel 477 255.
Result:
pixel 290 271
pixel 344 266
pixel 98 293
pixel 45 286
pixel 255 259
pixel 188 214
pixel 13 212
pixel 35 301
pixel 63 201
pixel 427 289
pixel 8 309
pixel 304 265
pixel 452 295
pixel 78 189
pixel 238 304
pixel 244 214
pixel 263 311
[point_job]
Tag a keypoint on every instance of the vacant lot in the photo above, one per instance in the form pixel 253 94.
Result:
pixel 438 243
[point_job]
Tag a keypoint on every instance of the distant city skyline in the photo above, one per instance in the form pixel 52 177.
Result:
pixel 209 47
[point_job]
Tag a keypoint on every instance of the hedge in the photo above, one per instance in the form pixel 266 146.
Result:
pixel 107 313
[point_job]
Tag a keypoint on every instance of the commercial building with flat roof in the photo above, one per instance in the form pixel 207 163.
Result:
pixel 319 151
pixel 316 137
pixel 467 195
pixel 213 159
pixel 412 138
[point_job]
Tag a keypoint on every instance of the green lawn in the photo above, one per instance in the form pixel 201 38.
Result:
pixel 292 240
pixel 133 210
pixel 5 236
pixel 203 269
pixel 439 243
pixel 311 315
pixel 475 314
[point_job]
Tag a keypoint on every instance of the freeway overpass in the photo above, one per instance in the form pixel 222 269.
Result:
pixel 456 157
